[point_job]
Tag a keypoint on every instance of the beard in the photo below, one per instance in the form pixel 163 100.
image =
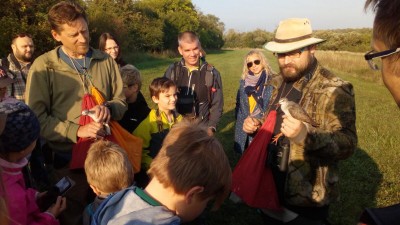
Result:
pixel 23 56
pixel 292 72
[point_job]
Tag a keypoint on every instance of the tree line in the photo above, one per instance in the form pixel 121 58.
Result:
pixel 151 26
pixel 352 40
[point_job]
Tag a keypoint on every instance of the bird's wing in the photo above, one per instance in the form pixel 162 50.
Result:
pixel 300 114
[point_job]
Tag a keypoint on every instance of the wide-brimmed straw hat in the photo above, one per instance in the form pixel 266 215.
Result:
pixel 292 34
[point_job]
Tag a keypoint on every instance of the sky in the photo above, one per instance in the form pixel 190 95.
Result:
pixel 249 15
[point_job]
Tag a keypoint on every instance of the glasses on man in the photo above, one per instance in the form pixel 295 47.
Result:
pixel 256 62
pixel 371 55
pixel 293 54
pixel 115 48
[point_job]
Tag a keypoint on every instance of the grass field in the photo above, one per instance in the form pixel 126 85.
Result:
pixel 369 178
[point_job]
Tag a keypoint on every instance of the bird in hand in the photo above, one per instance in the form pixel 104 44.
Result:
pixel 297 112
pixel 92 115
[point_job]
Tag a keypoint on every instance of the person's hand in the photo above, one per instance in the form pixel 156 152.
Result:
pixel 101 113
pixel 41 194
pixel 91 130
pixel 294 129
pixel 251 125
pixel 59 206
pixel 2 72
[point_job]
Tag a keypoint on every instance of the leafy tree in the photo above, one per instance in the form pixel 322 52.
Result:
pixel 26 16
pixel 177 15
pixel 211 31
pixel 145 28
pixel 254 39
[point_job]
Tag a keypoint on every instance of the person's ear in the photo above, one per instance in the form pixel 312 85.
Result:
pixel 13 47
pixel 191 194
pixel 312 49
pixel 155 99
pixel 95 189
pixel 180 50
pixel 55 35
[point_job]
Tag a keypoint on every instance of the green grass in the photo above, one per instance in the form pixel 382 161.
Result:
pixel 369 178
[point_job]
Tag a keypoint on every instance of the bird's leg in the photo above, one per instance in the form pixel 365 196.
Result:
pixel 276 138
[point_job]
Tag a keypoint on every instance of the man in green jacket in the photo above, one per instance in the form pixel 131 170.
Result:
pixel 307 181
pixel 56 86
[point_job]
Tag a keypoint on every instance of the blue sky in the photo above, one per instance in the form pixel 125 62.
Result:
pixel 248 15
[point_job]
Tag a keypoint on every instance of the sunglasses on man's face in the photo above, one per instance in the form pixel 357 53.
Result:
pixel 256 62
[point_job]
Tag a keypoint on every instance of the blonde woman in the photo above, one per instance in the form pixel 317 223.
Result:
pixel 253 95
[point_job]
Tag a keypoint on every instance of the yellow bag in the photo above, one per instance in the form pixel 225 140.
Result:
pixel 130 143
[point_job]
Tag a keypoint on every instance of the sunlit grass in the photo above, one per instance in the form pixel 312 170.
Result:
pixel 369 178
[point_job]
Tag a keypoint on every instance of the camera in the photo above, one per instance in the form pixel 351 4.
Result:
pixel 282 157
pixel 59 189
pixel 278 155
pixel 64 185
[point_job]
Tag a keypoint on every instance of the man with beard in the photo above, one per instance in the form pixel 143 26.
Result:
pixel 307 182
pixel 18 63
pixel 57 83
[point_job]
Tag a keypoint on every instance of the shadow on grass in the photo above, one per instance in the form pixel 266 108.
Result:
pixel 359 181
pixel 231 213
pixel 226 127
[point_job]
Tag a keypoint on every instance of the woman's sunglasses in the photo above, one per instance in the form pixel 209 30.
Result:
pixel 256 62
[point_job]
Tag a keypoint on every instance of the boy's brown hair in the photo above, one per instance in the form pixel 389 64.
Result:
pixel 190 157
pixel 107 167
pixel 160 85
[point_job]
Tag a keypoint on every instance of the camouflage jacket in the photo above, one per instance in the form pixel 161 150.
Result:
pixel 312 175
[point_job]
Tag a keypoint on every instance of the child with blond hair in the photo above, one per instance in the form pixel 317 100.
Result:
pixel 108 170
pixel 190 170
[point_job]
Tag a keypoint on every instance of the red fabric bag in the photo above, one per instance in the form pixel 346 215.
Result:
pixel 80 149
pixel 131 144
pixel 252 180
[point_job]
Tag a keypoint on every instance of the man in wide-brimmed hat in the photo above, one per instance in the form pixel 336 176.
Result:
pixel 307 182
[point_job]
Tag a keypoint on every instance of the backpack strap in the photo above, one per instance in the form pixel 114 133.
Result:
pixel 159 120
pixel 176 71
pixel 209 81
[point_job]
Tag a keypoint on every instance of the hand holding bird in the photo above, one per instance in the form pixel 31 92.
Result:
pixel 92 114
pixel 296 121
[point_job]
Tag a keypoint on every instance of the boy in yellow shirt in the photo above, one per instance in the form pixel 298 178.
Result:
pixel 155 127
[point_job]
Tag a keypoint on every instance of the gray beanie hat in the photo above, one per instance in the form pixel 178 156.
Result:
pixel 21 127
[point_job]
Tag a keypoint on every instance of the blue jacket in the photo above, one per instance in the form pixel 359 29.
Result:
pixel 242 112
pixel 127 207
